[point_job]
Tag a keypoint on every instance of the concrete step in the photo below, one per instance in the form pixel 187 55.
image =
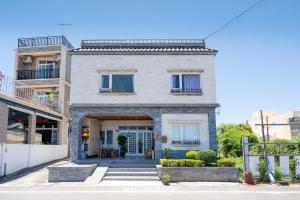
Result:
pixel 132 161
pixel 127 165
pixel 131 174
pixel 132 170
pixel 131 178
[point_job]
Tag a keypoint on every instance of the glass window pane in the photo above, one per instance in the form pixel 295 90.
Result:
pixel 175 81
pixel 176 131
pixel 122 83
pixel 191 82
pixel 102 137
pixel 191 131
pixel 109 135
pixel 105 81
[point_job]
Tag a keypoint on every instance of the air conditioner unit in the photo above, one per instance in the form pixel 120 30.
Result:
pixel 27 59
pixel 56 58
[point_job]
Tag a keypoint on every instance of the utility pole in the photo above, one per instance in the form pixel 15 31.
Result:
pixel 264 141
pixel 267 120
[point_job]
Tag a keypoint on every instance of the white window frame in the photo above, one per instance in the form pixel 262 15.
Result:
pixel 105 137
pixel 181 131
pixel 44 59
pixel 180 80
pixel 110 81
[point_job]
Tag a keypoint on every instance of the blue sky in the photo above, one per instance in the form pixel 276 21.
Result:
pixel 258 64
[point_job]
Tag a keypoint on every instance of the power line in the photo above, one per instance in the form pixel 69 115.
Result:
pixel 244 13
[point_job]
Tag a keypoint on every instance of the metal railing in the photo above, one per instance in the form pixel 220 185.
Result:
pixel 186 90
pixel 142 43
pixel 115 90
pixel 44 41
pixel 17 89
pixel 185 142
pixel 38 74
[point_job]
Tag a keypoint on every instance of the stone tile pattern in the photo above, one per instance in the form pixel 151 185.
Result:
pixel 78 114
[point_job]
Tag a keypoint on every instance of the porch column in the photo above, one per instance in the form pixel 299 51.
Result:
pixel 31 129
pixel 75 144
pixel 59 132
pixel 3 122
pixel 157 137
pixel 212 130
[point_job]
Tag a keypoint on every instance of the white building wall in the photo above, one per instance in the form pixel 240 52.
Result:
pixel 169 119
pixel 152 79
pixel 14 157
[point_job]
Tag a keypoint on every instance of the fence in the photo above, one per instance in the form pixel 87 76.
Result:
pixel 281 151
pixel 14 157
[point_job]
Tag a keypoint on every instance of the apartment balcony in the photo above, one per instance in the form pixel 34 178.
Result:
pixel 44 41
pixel 37 74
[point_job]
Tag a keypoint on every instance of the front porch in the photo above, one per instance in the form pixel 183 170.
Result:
pixel 101 134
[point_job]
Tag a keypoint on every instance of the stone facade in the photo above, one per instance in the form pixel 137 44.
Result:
pixel 155 112
pixel 200 174
pixel 3 121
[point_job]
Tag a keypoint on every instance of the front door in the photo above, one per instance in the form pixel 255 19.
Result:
pixel 135 143
pixel 138 141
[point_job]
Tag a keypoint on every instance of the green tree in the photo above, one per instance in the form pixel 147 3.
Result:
pixel 230 138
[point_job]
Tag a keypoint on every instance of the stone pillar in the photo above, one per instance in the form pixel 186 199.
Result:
pixel 157 137
pixel 3 122
pixel 245 146
pixel 59 132
pixel 31 129
pixel 212 130
pixel 76 139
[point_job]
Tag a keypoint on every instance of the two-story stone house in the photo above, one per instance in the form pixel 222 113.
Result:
pixel 158 93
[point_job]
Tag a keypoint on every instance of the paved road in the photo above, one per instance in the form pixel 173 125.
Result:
pixel 150 195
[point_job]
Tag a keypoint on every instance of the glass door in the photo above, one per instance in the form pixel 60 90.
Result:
pixel 132 143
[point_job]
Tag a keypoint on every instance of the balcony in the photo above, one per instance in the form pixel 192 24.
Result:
pixel 186 91
pixel 37 74
pixel 45 41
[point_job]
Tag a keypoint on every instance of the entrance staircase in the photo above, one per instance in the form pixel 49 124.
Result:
pixel 131 170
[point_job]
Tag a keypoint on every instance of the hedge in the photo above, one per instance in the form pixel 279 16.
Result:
pixel 226 162
pixel 181 163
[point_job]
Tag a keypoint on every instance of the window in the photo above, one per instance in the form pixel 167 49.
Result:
pixel 186 83
pixel 186 134
pixel 121 83
pixel 45 69
pixel 106 137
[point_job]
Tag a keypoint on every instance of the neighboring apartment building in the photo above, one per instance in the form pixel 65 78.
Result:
pixel 287 124
pixel 158 93
pixel 37 100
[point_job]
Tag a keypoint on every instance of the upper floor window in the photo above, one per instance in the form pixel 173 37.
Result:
pixel 45 69
pixel 118 83
pixel 186 83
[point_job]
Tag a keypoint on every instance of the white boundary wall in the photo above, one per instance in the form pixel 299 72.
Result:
pixel 14 157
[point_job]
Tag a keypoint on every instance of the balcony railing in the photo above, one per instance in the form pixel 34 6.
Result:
pixel 185 142
pixel 115 90
pixel 13 88
pixel 38 74
pixel 186 90
pixel 44 41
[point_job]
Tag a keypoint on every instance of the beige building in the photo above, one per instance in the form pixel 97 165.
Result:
pixel 157 93
pixel 36 100
pixel 282 125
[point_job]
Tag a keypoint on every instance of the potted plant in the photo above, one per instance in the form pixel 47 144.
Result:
pixel 122 140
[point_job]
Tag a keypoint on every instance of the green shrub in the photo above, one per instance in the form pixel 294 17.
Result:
pixel 167 152
pixel 191 155
pixel 263 173
pixel 226 162
pixel 293 166
pixel 277 174
pixel 181 163
pixel 208 156
pixel 166 178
